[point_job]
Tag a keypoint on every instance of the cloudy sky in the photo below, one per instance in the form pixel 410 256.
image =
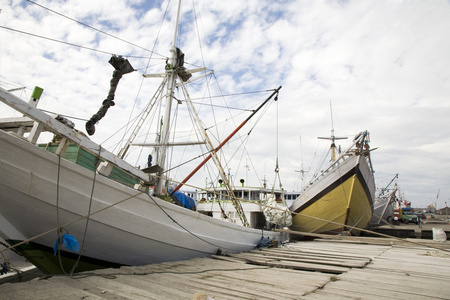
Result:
pixel 384 66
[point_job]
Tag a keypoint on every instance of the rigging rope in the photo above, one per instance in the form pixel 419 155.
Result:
pixel 184 228
pixel 69 44
pixel 142 80
pixel 93 28
pixel 71 222
pixel 97 160
pixel 58 224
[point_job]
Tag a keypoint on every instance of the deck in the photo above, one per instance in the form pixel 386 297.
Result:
pixel 361 268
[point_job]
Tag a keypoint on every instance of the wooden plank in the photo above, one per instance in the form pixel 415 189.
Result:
pixel 393 277
pixel 311 254
pixel 44 289
pixel 231 277
pixel 348 251
pixel 368 290
pixel 291 265
pixel 412 267
pixel 228 258
pixel 335 295
pixel 221 286
pixel 332 261
pixel 9 124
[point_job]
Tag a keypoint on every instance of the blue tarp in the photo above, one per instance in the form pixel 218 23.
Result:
pixel 186 201
pixel 69 241
pixel 264 242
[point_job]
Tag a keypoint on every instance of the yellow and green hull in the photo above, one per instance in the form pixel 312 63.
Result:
pixel 340 201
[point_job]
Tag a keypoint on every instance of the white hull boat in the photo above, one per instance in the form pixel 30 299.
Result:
pixel 74 191
pixel 126 226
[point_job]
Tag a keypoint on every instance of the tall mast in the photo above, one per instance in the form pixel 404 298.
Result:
pixel 301 171
pixel 171 78
pixel 333 138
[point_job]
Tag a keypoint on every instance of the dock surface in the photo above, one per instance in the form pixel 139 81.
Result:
pixel 321 269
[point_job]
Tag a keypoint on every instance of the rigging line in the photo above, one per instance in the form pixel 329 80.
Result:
pixel 276 151
pixel 221 106
pixel 243 143
pixel 93 28
pixel 245 139
pixel 146 68
pixel 172 127
pixel 67 116
pixel 223 98
pixel 224 121
pixel 265 109
pixel 97 160
pixel 67 43
pixel 59 228
pixel 254 168
pixel 71 222
pixel 220 89
pixel 118 130
pixel 198 32
pixel 217 135
pixel 361 229
pixel 236 94
pixel 184 228
pixel 311 217
pixel 192 132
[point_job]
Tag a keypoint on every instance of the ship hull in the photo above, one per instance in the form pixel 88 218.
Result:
pixel 383 209
pixel 41 192
pixel 342 200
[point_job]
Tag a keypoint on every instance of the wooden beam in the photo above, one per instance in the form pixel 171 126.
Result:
pixel 51 124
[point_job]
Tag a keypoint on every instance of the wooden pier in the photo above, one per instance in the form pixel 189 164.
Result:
pixel 361 268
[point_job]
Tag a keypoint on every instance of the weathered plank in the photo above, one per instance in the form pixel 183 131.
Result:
pixel 311 253
pixel 337 260
pixel 296 265
pixel 283 273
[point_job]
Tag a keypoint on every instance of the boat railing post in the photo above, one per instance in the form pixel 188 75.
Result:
pixel 34 100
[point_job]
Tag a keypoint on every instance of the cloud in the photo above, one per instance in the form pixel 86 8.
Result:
pixel 383 65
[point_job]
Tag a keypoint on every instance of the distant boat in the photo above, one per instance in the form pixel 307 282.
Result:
pixel 383 208
pixel 340 198
pixel 71 205
pixel 263 207
pixel 383 205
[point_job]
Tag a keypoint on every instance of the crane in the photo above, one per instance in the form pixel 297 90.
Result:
pixel 435 203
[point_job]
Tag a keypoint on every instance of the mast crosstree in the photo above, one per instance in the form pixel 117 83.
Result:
pixel 333 138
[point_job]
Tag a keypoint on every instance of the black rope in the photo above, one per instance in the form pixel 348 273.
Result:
pixel 97 161
pixel 12 249
pixel 59 228
pixel 93 28
pixel 184 228
pixel 66 116
pixel 58 41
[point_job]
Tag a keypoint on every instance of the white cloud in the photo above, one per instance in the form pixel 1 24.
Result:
pixel 383 65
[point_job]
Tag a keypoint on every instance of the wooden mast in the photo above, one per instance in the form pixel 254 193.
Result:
pixel 333 138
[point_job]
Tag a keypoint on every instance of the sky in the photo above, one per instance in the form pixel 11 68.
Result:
pixel 375 65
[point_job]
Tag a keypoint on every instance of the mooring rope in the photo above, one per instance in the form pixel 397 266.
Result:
pixel 59 228
pixel 97 160
pixel 324 220
pixel 71 222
